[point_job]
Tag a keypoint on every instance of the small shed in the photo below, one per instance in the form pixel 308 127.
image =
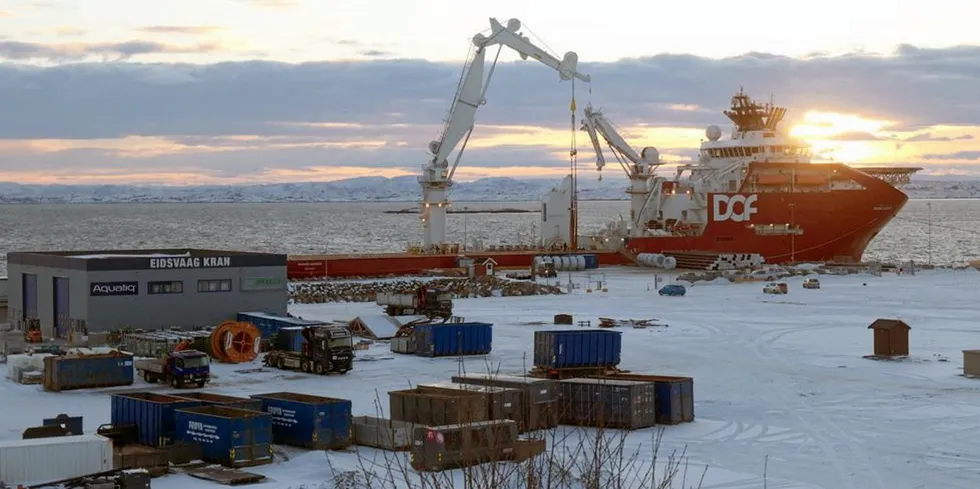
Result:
pixel 971 363
pixel 891 337
pixel 489 265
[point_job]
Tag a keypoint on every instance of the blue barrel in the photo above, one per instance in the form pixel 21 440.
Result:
pixel 577 348
pixel 153 413
pixel 302 420
pixel 449 339
pixel 228 436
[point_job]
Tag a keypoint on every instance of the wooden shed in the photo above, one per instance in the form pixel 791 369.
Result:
pixel 891 337
pixel 971 363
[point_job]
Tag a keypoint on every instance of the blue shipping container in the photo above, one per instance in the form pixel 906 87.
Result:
pixel 212 399
pixel 228 436
pixel 86 372
pixel 674 396
pixel 577 348
pixel 153 413
pixel 270 324
pixel 313 422
pixel 290 339
pixel 591 261
pixel 448 339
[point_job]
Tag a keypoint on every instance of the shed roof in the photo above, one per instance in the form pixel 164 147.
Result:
pixel 889 324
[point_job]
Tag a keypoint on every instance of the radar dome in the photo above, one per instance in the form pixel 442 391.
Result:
pixel 650 155
pixel 513 25
pixel 713 133
pixel 434 146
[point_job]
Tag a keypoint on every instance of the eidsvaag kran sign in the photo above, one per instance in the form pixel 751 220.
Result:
pixel 191 262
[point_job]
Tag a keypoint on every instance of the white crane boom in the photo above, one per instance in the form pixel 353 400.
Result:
pixel 437 174
pixel 639 168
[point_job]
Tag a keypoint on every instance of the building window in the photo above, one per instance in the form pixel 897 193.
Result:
pixel 214 285
pixel 176 287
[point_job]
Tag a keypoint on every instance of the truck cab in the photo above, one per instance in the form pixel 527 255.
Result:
pixel 332 347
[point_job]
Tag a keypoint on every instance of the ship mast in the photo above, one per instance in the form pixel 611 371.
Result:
pixel 750 116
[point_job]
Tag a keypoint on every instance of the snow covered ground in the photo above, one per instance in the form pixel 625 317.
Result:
pixel 776 376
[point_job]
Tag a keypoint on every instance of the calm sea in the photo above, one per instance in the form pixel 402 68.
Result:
pixel 347 227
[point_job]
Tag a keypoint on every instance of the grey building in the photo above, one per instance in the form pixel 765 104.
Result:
pixel 151 289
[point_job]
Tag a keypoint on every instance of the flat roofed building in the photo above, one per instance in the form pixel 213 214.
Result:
pixel 99 291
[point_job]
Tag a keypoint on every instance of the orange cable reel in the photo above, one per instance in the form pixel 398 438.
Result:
pixel 235 342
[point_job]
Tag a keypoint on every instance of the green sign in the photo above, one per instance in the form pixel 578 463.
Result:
pixel 263 283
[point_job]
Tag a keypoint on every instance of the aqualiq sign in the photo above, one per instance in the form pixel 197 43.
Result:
pixel 191 262
pixel 114 288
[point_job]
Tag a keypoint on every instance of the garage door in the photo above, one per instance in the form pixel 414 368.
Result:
pixel 61 311
pixel 29 286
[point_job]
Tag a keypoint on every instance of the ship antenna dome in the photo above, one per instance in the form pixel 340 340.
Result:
pixel 713 133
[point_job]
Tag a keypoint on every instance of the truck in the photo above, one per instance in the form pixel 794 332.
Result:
pixel 432 303
pixel 327 349
pixel 179 368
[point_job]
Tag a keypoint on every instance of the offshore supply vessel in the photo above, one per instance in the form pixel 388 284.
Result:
pixel 756 193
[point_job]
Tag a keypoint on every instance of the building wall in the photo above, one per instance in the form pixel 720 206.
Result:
pixel 187 309
pixel 148 311
pixel 77 304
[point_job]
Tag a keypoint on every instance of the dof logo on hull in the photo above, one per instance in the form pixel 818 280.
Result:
pixel 738 207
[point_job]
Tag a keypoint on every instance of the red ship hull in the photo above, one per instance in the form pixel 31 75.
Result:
pixel 831 226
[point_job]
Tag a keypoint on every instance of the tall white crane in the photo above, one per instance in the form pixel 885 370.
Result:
pixel 437 174
pixel 645 200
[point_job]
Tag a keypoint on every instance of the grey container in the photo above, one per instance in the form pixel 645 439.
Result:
pixel 382 433
pixel 502 402
pixel 404 344
pixel 539 397
pixel 622 404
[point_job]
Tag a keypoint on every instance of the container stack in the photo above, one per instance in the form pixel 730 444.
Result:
pixel 539 397
pixel 576 353
pixel 502 402
pixel 606 403
pixel 437 408
pixel 674 395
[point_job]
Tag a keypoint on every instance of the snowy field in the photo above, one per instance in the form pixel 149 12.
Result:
pixel 776 376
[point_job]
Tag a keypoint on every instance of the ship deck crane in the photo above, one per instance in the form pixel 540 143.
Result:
pixel 437 174
pixel 645 202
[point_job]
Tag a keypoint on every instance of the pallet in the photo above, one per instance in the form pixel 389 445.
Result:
pixel 226 476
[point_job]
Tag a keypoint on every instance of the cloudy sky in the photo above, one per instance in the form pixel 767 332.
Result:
pixel 242 91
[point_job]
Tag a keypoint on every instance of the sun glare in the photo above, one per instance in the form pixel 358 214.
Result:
pixel 820 125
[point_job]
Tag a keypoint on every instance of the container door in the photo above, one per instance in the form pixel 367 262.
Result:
pixel 61 311
pixel 29 287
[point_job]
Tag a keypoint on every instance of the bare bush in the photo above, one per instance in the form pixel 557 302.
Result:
pixel 574 458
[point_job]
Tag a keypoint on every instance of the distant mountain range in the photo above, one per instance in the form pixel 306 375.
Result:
pixel 375 189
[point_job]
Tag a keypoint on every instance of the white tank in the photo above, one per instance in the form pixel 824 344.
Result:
pixel 579 262
pixel 670 262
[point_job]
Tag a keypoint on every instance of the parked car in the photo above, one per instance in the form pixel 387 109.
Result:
pixel 774 288
pixel 674 290
pixel 811 283
pixel 769 273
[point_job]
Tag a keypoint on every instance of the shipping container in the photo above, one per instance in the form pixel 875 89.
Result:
pixel 436 409
pixel 449 339
pixel 212 399
pixel 577 348
pixel 87 371
pixel 540 396
pixel 270 324
pixel 313 422
pixel 290 339
pixel 502 402
pixel 591 261
pixel 386 434
pixel 438 448
pixel 152 412
pixel 45 460
pixel 675 396
pixel 404 344
pixel 606 403
pixel 228 436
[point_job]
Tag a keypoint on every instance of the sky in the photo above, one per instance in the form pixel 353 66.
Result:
pixel 188 92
